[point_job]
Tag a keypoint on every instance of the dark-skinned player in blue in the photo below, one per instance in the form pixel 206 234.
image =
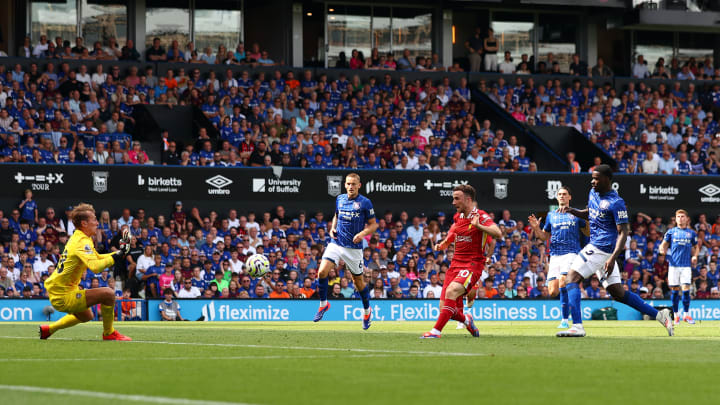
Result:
pixel 609 230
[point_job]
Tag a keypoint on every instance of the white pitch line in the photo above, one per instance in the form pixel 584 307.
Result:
pixel 329 349
pixel 210 358
pixel 114 396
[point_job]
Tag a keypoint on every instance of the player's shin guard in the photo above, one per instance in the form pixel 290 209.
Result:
pixel 564 305
pixel 448 310
pixel 574 300
pixel 108 315
pixel 64 322
pixel 686 301
pixel 322 290
pixel 633 300
pixel 675 297
pixel 365 297
pixel 459 315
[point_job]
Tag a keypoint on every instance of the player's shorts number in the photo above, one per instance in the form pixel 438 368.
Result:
pixel 464 273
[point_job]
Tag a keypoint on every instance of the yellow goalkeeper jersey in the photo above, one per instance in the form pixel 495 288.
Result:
pixel 79 255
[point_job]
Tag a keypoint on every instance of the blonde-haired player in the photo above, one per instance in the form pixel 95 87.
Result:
pixel 62 285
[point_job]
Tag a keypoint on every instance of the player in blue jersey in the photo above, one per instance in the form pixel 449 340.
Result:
pixel 609 230
pixel 682 241
pixel 354 220
pixel 564 231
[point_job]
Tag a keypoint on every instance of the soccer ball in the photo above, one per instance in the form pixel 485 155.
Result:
pixel 257 265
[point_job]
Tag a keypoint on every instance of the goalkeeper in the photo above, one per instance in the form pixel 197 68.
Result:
pixel 62 285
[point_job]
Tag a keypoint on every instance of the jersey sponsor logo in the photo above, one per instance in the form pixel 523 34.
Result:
pixel 219 184
pixel 501 188
pixel 160 184
pixel 710 191
pixel 373 186
pixel 40 182
pixel 100 181
pixel 552 188
pixel 659 193
pixel 463 238
pixel 334 185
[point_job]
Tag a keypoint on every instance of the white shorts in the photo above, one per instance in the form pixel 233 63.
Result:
pixel 353 258
pixel 679 275
pixel 560 265
pixel 591 260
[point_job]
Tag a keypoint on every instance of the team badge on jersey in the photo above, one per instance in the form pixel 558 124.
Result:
pixel 604 204
pixel 356 205
pixel 88 249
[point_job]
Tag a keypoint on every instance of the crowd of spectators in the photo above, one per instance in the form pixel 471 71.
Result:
pixel 203 255
pixel 61 115
pixel 55 114
pixel 651 128
pixel 156 52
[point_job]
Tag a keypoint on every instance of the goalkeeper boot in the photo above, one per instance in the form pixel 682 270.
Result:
pixel 116 336
pixel 321 311
pixel 45 332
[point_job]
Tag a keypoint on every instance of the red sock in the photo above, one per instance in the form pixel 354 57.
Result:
pixel 447 312
pixel 459 315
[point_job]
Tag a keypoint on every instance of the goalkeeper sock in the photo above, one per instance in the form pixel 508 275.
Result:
pixel 108 315
pixel 573 291
pixel 636 302
pixel 564 303
pixel 365 296
pixel 447 312
pixel 64 322
pixel 675 297
pixel 322 291
pixel 686 301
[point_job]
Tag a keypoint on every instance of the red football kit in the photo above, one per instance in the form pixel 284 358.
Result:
pixel 469 259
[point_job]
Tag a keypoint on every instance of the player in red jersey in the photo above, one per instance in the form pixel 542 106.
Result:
pixel 471 231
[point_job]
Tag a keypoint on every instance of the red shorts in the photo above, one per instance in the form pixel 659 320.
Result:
pixel 466 274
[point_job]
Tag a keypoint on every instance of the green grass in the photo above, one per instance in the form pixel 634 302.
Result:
pixel 275 363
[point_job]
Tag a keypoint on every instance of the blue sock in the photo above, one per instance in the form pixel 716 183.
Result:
pixel 365 296
pixel 636 302
pixel 564 303
pixel 573 293
pixel 675 297
pixel 323 288
pixel 686 301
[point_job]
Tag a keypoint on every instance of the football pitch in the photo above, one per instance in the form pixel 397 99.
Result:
pixel 198 363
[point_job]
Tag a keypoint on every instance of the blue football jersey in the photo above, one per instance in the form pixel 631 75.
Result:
pixel 352 215
pixel 681 242
pixel 606 211
pixel 564 231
